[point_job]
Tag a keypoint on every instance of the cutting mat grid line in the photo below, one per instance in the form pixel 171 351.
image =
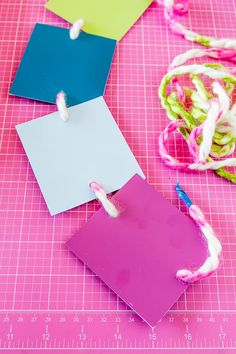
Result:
pixel 37 272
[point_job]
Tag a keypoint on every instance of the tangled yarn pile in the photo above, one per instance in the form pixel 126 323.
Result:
pixel 204 114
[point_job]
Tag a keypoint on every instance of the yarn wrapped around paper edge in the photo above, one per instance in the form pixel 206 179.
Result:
pixel 212 261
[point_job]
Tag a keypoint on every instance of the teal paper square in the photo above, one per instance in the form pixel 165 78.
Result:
pixel 53 62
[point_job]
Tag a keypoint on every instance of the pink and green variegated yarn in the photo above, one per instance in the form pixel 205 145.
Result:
pixel 206 117
pixel 180 7
pixel 213 244
pixel 208 122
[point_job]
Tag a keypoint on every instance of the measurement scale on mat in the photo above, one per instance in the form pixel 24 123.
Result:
pixel 118 330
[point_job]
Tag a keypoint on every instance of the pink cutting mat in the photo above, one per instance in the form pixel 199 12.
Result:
pixel 42 287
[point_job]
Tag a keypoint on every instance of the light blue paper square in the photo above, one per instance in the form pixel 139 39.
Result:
pixel 67 156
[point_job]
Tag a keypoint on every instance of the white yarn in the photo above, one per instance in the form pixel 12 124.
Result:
pixel 199 69
pixel 193 36
pixel 223 43
pixel 206 229
pixel 214 165
pixel 226 43
pixel 168 3
pixel 218 110
pixel 208 130
pixel 200 98
pixel 61 106
pixel 214 248
pixel 223 98
pixel 106 203
pixel 76 29
pixel 191 54
pixel 190 35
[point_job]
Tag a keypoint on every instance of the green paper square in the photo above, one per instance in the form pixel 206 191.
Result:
pixel 107 18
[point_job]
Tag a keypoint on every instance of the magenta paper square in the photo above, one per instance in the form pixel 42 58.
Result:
pixel 138 254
